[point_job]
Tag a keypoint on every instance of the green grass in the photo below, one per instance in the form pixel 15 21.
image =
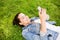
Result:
pixel 9 8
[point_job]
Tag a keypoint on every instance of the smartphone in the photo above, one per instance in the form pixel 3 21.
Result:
pixel 39 9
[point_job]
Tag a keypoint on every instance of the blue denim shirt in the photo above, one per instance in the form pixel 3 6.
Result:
pixel 32 32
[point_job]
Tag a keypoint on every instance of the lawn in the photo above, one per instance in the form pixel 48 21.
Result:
pixel 9 8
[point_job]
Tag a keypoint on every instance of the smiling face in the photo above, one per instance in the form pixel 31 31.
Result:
pixel 23 19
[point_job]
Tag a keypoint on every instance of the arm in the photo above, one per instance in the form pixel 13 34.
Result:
pixel 42 16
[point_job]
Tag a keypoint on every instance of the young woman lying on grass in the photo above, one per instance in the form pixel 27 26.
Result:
pixel 40 30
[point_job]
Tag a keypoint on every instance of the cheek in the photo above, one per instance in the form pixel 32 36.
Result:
pixel 23 21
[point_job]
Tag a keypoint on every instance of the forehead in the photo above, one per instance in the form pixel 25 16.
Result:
pixel 21 15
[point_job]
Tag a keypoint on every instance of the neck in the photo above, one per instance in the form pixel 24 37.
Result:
pixel 27 24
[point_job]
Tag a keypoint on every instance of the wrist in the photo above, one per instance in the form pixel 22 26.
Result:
pixel 43 20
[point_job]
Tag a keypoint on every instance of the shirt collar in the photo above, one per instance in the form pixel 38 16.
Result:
pixel 26 26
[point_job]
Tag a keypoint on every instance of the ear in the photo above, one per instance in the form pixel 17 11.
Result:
pixel 20 23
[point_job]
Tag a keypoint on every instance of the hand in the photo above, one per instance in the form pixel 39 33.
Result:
pixel 42 14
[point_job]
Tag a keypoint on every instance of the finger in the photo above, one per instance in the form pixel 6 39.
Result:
pixel 44 10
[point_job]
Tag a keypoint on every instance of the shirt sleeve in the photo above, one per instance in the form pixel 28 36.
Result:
pixel 39 31
pixel 32 33
pixel 42 33
pixel 30 36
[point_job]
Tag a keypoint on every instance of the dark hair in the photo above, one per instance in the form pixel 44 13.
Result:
pixel 16 20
